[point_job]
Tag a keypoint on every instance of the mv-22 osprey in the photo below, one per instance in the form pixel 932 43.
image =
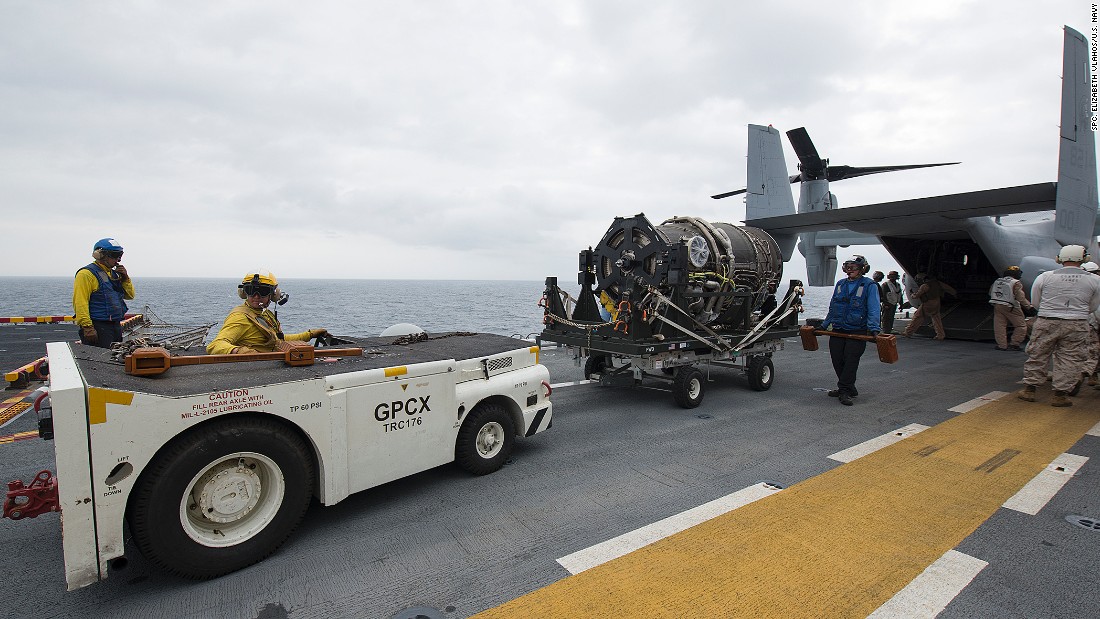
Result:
pixel 959 238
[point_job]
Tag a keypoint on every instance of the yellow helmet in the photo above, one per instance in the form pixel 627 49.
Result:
pixel 261 280
pixel 259 277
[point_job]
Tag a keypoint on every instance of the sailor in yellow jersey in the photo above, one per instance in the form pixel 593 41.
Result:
pixel 251 327
pixel 100 291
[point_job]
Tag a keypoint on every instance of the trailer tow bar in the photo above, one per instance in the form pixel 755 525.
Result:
pixel 25 501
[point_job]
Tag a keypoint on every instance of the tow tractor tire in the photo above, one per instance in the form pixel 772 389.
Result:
pixel 761 373
pixel 595 364
pixel 688 386
pixel 485 439
pixel 222 498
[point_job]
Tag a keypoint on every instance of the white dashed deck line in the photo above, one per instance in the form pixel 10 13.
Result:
pixel 877 443
pixel 968 406
pixel 930 592
pixel 629 542
pixel 1042 488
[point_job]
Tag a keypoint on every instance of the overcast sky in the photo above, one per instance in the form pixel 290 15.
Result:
pixel 483 139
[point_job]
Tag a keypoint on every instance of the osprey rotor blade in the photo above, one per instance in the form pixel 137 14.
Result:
pixel 841 172
pixel 813 166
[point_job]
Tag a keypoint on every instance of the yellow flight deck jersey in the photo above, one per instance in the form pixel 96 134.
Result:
pixel 254 329
pixel 85 284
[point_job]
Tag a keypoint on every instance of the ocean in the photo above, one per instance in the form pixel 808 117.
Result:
pixel 356 307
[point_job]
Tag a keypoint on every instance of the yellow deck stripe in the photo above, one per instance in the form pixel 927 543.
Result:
pixel 836 545
pixel 19 436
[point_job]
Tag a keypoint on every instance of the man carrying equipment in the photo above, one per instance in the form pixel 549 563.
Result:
pixel 853 309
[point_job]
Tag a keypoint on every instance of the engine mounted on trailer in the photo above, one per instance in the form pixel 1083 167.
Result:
pixel 667 297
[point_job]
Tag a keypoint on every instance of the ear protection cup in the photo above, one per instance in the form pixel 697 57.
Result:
pixel 240 292
pixel 97 253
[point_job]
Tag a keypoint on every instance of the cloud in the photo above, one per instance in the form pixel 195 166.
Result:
pixel 488 140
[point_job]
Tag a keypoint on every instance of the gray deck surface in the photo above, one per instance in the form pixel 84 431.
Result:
pixel 616 459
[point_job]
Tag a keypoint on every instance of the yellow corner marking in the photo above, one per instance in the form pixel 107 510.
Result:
pixel 836 545
pixel 98 399
pixel 535 351
pixel 396 371
pixel 13 411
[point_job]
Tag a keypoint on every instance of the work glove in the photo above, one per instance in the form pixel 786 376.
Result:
pixel 90 335
pixel 241 350
pixel 122 274
pixel 317 333
pixel 1030 311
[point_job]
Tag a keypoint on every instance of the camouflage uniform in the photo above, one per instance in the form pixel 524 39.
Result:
pixel 1063 341
pixel 929 293
pixel 1008 300
pixel 1065 297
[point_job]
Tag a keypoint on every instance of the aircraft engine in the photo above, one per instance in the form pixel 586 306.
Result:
pixel 711 269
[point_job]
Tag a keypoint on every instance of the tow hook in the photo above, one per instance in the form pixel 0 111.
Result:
pixel 25 501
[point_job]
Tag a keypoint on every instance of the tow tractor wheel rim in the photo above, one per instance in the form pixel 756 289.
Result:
pixel 490 440
pixel 694 387
pixel 765 374
pixel 232 499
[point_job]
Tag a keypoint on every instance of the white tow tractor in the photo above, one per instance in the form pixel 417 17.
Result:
pixel 214 466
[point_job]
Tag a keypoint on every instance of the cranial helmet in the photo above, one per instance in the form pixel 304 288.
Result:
pixel 1013 271
pixel 892 275
pixel 1072 253
pixel 1091 267
pixel 259 278
pixel 105 245
pixel 859 261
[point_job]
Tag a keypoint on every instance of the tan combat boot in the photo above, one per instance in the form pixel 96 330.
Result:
pixel 1060 399
pixel 1027 394
pixel 1093 381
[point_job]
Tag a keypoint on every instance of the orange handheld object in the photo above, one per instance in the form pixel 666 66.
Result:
pixel 887 344
pixel 152 361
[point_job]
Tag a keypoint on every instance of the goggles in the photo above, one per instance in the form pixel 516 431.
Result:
pixel 850 265
pixel 117 255
pixel 262 290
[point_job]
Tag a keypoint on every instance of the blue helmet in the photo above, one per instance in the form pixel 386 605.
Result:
pixel 860 262
pixel 107 245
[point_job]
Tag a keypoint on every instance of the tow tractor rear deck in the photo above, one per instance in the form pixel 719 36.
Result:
pixel 100 370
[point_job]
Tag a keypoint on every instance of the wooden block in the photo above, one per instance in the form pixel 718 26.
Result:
pixel 809 338
pixel 148 361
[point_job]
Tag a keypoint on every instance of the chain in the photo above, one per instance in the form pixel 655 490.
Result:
pixel 589 328
pixel 413 338
pixel 120 350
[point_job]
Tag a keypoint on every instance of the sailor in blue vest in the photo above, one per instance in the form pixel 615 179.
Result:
pixel 854 309
pixel 99 294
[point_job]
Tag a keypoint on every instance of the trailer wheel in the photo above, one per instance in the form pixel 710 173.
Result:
pixel 761 373
pixel 222 498
pixel 688 386
pixel 596 364
pixel 485 439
